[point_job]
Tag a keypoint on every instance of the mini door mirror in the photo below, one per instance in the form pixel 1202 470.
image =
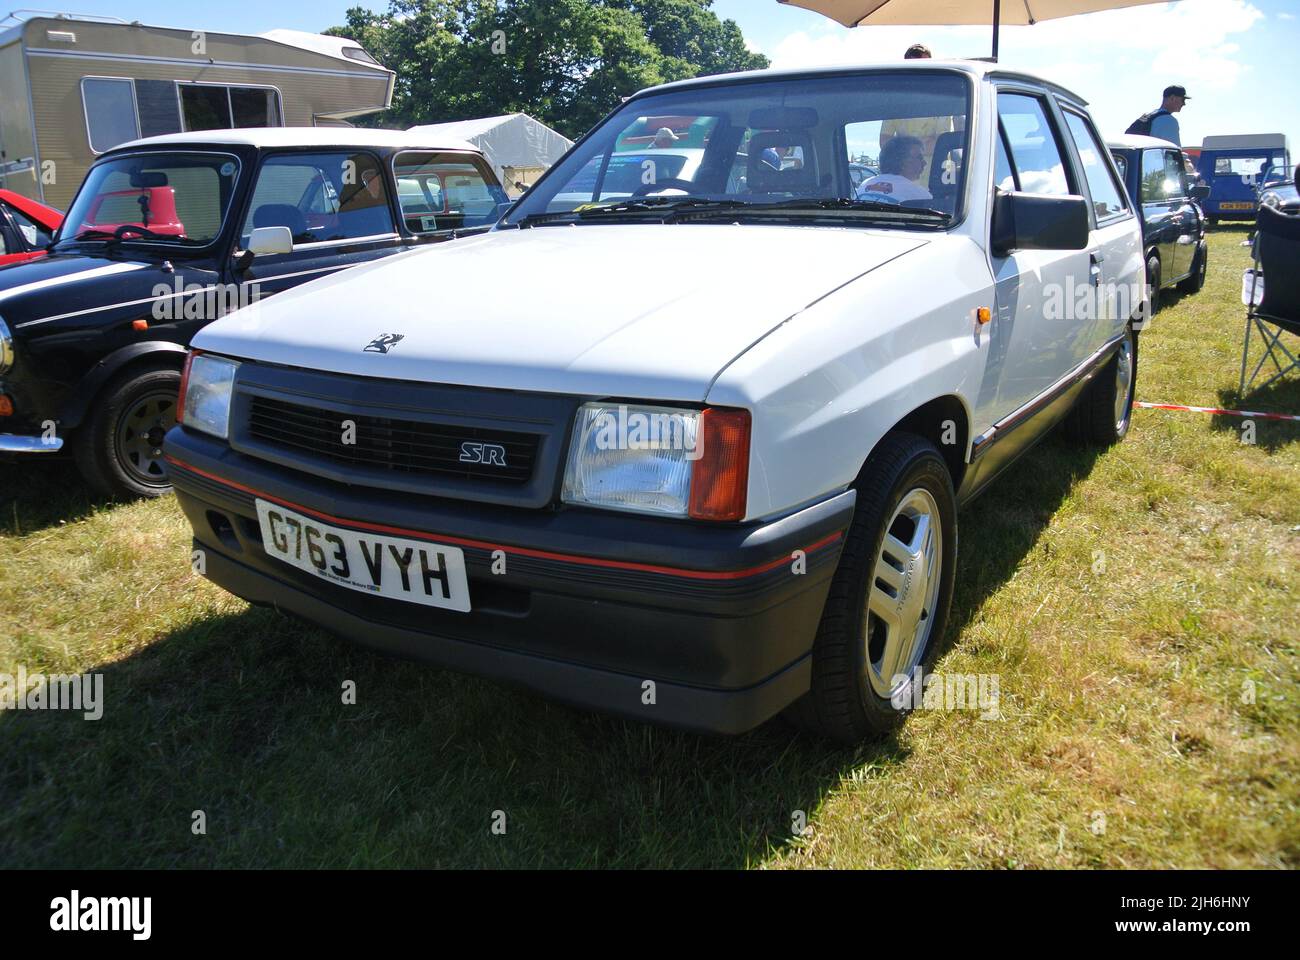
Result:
pixel 1199 191
pixel 1031 221
pixel 267 240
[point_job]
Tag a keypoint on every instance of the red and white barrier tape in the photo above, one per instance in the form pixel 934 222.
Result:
pixel 1250 414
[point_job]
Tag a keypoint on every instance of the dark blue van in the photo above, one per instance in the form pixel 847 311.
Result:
pixel 1233 166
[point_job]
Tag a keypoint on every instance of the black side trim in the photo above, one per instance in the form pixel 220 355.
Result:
pixel 1018 418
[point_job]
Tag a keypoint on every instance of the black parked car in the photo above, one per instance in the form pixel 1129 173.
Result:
pixel 1167 199
pixel 168 233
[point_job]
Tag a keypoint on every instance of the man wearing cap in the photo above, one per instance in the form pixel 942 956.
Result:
pixel 1161 122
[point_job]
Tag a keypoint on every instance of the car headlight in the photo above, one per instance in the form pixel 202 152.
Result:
pixel 206 388
pixel 661 460
pixel 6 348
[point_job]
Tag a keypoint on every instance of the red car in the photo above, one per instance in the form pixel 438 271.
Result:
pixel 26 226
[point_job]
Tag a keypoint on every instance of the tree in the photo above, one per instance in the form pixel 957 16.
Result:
pixel 566 62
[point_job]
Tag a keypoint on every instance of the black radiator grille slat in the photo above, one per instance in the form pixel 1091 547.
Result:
pixel 388 444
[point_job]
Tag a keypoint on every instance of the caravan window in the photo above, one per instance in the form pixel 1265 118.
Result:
pixel 110 112
pixel 445 191
pixel 211 107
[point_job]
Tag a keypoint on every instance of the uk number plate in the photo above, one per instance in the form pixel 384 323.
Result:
pixel 411 570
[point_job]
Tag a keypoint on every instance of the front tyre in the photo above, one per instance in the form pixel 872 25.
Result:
pixel 119 448
pixel 887 608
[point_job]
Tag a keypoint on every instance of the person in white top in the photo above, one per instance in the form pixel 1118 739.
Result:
pixel 901 161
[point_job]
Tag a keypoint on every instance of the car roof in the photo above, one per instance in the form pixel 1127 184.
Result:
pixel 304 137
pixel 1245 141
pixel 978 69
pixel 1133 141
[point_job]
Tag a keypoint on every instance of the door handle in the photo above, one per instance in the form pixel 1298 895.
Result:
pixel 1094 267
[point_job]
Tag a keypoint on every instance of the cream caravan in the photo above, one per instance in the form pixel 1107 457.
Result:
pixel 75 87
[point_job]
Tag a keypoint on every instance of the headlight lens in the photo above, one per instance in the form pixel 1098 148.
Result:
pixel 632 458
pixel 6 348
pixel 661 460
pixel 206 391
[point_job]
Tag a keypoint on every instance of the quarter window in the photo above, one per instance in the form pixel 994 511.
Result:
pixel 444 191
pixel 1107 198
pixel 1033 144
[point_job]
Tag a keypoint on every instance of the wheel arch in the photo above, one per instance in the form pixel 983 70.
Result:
pixel 135 355
pixel 931 420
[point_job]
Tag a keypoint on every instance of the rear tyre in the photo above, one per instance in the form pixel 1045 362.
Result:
pixel 1104 412
pixel 887 609
pixel 119 447
pixel 1194 282
pixel 1153 283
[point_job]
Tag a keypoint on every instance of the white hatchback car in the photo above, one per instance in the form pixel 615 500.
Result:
pixel 694 454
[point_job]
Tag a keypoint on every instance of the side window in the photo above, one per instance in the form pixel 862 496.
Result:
pixel 1153 176
pixel 1033 143
pixel 32 233
pixel 110 112
pixel 320 197
pixel 1174 176
pixel 1107 195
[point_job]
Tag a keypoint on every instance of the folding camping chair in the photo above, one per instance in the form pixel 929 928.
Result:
pixel 1277 255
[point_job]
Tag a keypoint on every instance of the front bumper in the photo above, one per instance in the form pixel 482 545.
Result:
pixel 18 444
pixel 591 606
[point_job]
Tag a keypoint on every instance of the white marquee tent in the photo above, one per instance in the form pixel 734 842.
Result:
pixel 519 148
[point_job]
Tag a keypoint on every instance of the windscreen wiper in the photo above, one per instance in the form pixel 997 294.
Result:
pixel 664 206
pixel 94 234
pixel 670 208
pixel 847 205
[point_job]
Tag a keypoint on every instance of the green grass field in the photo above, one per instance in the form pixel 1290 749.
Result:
pixel 1130 602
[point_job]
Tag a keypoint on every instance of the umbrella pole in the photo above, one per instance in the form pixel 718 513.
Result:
pixel 997 16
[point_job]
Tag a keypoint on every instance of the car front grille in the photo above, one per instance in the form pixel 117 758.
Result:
pixel 395 446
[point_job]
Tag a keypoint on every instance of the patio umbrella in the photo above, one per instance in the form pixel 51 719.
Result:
pixel 853 13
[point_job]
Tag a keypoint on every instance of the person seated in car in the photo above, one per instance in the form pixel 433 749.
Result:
pixel 365 213
pixel 901 161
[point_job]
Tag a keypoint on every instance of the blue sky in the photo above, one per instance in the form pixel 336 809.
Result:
pixel 1234 56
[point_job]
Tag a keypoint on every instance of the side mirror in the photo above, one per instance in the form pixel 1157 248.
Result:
pixel 267 240
pixel 1031 221
pixel 1199 191
pixel 501 209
